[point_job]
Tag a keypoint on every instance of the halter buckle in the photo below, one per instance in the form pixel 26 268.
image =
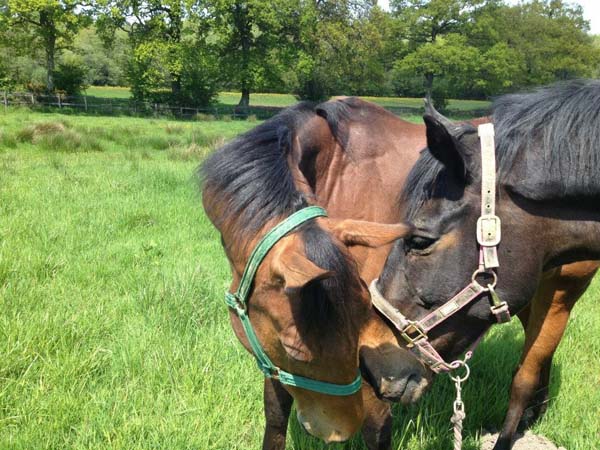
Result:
pixel 488 230
pixel 417 333
pixel 501 312
pixel 235 302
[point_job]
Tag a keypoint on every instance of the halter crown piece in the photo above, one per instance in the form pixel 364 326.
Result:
pixel 238 301
pixel 488 238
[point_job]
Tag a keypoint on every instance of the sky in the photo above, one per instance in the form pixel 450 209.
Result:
pixel 591 11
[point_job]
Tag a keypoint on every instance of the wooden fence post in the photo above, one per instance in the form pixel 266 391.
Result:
pixel 85 102
pixel 59 101
pixel 5 102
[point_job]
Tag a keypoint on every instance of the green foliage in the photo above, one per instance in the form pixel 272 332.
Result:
pixel 170 61
pixel 183 51
pixel 339 48
pixel 104 63
pixel 70 76
pixel 49 25
pixel 476 48
pixel 251 41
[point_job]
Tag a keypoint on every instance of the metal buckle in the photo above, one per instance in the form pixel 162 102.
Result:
pixel 488 230
pixel 501 312
pixel 485 272
pixel 413 327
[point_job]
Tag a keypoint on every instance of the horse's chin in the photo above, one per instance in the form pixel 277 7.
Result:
pixel 325 433
pixel 414 390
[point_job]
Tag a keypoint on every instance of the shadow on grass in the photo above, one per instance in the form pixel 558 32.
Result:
pixel 426 425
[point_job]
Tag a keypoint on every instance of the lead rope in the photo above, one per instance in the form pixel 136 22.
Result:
pixel 459 407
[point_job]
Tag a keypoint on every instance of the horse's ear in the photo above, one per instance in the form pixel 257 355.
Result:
pixel 443 144
pixel 368 234
pixel 291 265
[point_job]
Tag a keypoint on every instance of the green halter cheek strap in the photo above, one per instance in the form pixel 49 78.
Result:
pixel 239 303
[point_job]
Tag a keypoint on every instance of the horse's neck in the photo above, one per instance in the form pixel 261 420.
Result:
pixel 365 180
pixel 576 239
pixel 564 231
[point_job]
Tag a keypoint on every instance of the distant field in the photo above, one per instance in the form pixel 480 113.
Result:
pixel 113 332
pixel 283 100
pixel 108 91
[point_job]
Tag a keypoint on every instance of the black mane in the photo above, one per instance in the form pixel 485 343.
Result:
pixel 249 177
pixel 547 146
pixel 250 183
pixel 557 130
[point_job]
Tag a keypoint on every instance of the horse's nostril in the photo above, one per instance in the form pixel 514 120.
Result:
pixel 392 388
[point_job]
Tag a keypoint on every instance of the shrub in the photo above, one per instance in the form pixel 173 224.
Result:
pixel 57 136
pixel 70 77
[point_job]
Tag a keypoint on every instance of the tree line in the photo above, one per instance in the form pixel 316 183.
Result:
pixel 185 51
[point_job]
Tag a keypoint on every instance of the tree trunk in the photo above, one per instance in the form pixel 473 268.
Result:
pixel 50 69
pixel 428 84
pixel 174 35
pixel 245 100
pixel 49 34
pixel 244 30
pixel 176 87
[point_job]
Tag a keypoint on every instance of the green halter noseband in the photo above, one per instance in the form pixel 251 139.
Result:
pixel 239 303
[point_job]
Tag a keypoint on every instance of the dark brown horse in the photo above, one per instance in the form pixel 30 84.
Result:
pixel 548 158
pixel 308 306
pixel 372 152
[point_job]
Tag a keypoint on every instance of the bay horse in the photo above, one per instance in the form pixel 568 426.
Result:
pixel 303 311
pixel 547 186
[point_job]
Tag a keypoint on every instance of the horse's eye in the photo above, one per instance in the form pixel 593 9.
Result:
pixel 416 242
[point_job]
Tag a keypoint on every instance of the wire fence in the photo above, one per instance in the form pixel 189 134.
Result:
pixel 122 106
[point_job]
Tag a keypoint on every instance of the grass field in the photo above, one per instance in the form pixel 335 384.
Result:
pixel 283 100
pixel 113 333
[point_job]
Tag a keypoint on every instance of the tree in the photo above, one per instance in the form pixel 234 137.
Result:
pixel 155 31
pixel 249 34
pixel 338 48
pixel 448 57
pixel 51 24
pixel 537 43
pixel 168 48
pixel 481 48
pixel 104 62
pixel 424 23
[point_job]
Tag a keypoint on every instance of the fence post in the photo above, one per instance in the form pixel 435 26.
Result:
pixel 59 102
pixel 5 102
pixel 32 99
pixel 85 101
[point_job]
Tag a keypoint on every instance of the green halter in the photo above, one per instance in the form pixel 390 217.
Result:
pixel 238 302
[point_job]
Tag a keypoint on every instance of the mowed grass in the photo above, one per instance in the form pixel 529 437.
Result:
pixel 113 332
pixel 108 91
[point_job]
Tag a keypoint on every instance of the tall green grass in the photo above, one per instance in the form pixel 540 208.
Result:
pixel 113 333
